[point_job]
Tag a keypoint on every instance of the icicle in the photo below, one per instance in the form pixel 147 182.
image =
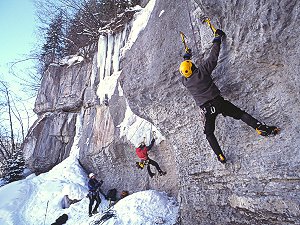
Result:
pixel 110 48
pixel 109 63
pixel 136 128
pixel 94 71
pixel 74 152
pixel 102 47
pixel 117 47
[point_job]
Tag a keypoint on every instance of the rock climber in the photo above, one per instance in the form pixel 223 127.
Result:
pixel 142 153
pixel 198 81
pixel 93 195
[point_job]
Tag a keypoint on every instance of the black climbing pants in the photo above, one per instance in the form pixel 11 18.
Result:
pixel 94 196
pixel 153 163
pixel 220 106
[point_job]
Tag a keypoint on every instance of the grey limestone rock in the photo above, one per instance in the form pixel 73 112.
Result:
pixel 258 70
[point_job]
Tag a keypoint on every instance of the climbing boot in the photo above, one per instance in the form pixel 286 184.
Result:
pixel 162 173
pixel 222 158
pixel 265 130
pixel 90 214
pixel 95 211
pixel 151 175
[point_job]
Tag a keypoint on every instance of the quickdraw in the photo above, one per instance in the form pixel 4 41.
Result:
pixel 154 135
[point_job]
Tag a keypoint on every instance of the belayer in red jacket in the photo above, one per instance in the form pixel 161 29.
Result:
pixel 142 153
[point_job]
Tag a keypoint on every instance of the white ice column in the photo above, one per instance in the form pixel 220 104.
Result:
pixel 110 49
pixel 108 62
pixel 101 59
pixel 116 55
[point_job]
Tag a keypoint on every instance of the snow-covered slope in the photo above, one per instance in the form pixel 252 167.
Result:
pixel 37 199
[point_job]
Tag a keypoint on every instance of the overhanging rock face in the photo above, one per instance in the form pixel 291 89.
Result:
pixel 49 141
pixel 131 87
pixel 258 70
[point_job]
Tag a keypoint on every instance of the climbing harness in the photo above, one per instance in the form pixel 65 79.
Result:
pixel 212 110
pixel 142 164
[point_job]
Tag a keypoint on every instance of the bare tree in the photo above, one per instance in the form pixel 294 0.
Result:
pixel 12 128
pixel 8 103
pixel 32 80
pixel 82 18
pixel 12 134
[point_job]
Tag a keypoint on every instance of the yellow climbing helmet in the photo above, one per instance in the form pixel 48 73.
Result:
pixel 186 68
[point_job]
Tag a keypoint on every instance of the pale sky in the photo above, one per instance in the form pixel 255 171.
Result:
pixel 17 26
pixel 17 39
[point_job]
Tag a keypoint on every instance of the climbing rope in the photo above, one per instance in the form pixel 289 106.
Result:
pixel 193 29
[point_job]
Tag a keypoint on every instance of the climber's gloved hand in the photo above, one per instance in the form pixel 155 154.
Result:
pixel 188 54
pixel 218 36
pixel 219 33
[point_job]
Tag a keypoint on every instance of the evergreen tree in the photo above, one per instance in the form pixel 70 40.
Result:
pixel 79 30
pixel 92 15
pixel 53 49
pixel 14 167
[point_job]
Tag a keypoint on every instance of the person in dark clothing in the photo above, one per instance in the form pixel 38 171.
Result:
pixel 94 189
pixel 198 81
pixel 142 153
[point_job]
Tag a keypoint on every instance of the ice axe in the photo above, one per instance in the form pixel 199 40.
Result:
pixel 186 48
pixel 205 19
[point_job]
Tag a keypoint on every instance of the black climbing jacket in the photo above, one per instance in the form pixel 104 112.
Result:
pixel 200 83
pixel 93 185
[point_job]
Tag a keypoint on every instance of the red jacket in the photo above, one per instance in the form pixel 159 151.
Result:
pixel 142 153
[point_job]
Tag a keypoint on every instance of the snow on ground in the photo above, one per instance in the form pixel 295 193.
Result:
pixel 146 207
pixel 37 200
pixel 71 60
pixel 12 197
pixel 161 12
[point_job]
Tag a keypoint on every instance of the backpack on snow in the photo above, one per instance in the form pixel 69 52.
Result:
pixel 112 195
pixel 61 220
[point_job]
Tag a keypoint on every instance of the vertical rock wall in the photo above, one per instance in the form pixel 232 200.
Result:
pixel 60 97
pixel 258 71
pixel 111 131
